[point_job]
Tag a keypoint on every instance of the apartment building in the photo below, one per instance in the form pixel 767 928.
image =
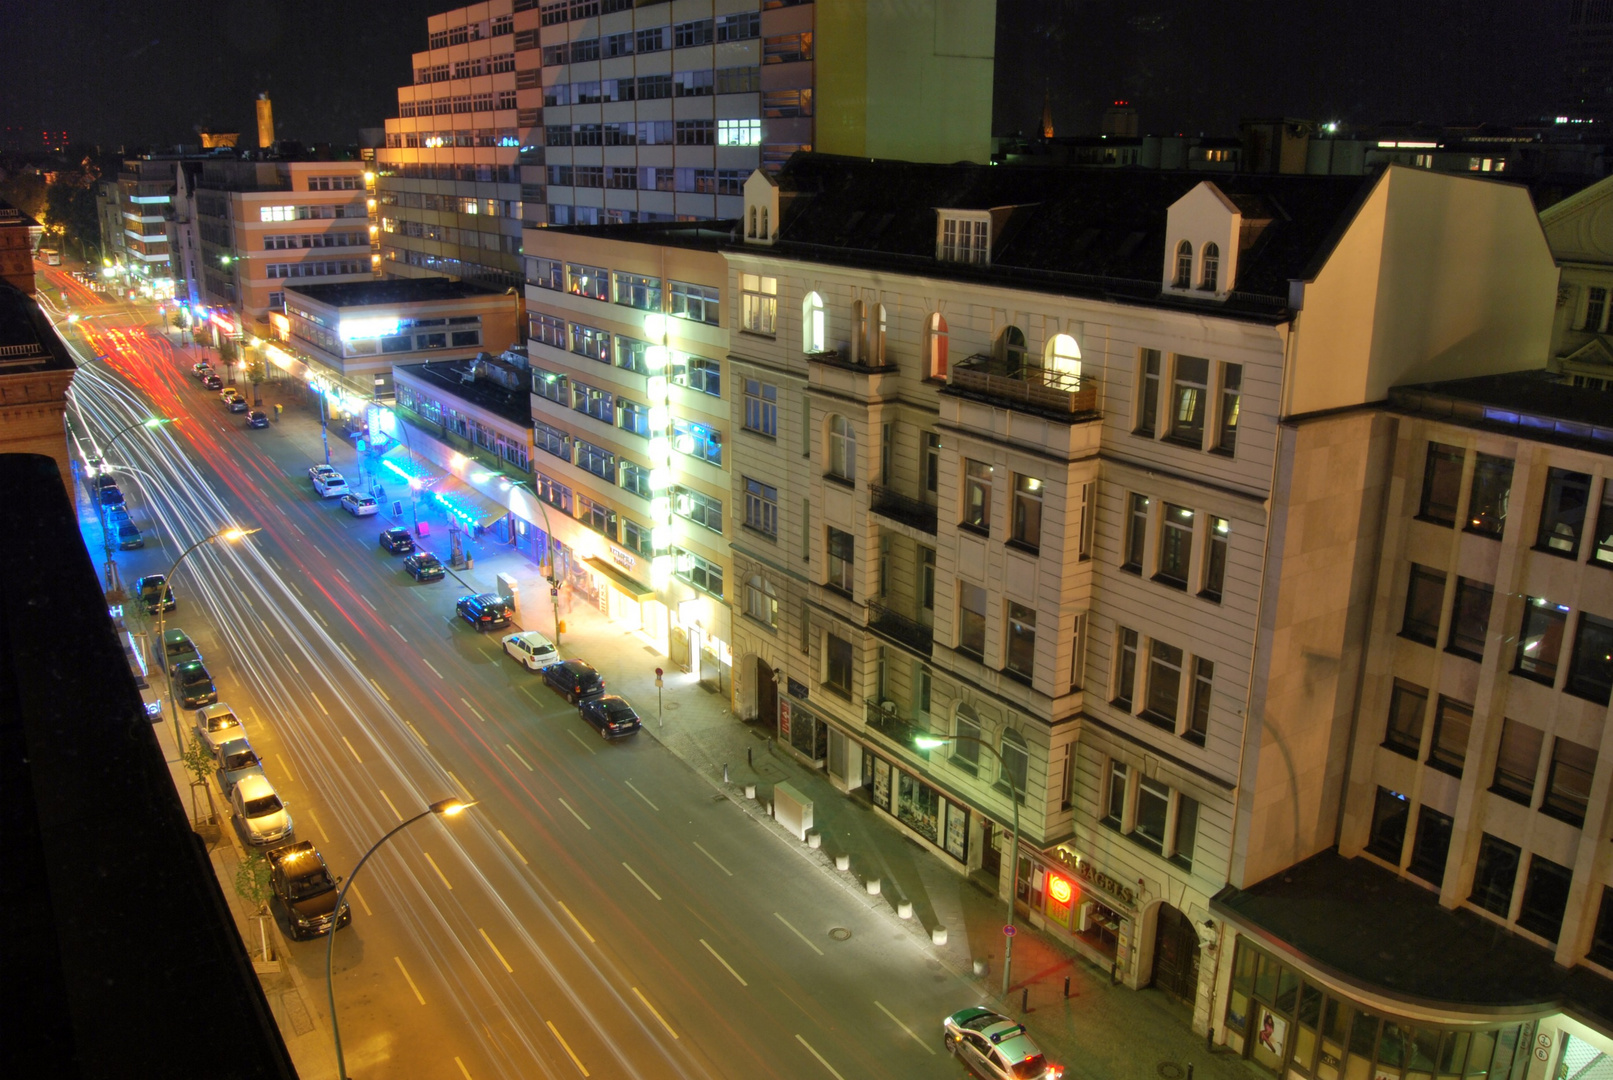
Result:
pixel 145 200
pixel 1580 231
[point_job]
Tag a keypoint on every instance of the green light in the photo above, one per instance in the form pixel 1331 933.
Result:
pixel 926 742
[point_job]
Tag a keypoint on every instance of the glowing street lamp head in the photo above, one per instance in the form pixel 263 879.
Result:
pixel 159 421
pixel 450 807
pixel 928 742
pixel 232 535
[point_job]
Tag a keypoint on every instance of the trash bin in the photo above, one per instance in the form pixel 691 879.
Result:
pixel 507 585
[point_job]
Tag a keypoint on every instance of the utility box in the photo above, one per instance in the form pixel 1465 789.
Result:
pixel 507 586
pixel 792 810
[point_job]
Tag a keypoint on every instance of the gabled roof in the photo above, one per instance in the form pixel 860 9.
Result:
pixel 1065 230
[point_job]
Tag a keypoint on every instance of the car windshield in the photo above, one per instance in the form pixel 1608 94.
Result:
pixel 983 1021
pixel 245 759
pixel 222 721
pixel 426 558
pixel 620 710
pixel 315 883
pixel 195 678
pixel 1031 1068
pixel 266 804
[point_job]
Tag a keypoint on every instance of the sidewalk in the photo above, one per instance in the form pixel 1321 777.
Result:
pixel 1102 1031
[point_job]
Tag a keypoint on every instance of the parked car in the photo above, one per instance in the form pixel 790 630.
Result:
pixel 237 404
pixel 996 1047
pixel 129 537
pixel 319 468
pixel 154 592
pixel 200 366
pixel 116 515
pixel 236 760
pixel 103 480
pixel 111 496
pixel 211 381
pixel 260 814
pixel 397 541
pixel 177 649
pixel 257 418
pixel 305 888
pixel 574 680
pixel 358 505
pixel 485 611
pixel 330 485
pixel 228 393
pixel 532 649
pixel 610 714
pixel 216 724
pixel 424 566
pixel 194 685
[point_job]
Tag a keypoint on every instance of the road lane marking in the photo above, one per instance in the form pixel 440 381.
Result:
pixel 642 882
pixel 417 735
pixel 460 784
pixel 522 760
pixel 437 868
pixel 573 918
pixel 576 815
pixel 394 809
pixel 322 555
pixel 462 1070
pixel 341 575
pixel 322 621
pixel 395 630
pixel 348 652
pixel 324 710
pixel 574 1059
pixel 408 980
pixel 299 530
pixel 367 603
pixel 273 562
pixel 657 809
pixel 473 711
pixel 658 1016
pixel 292 662
pixel 253 710
pixel 527 690
pixel 580 742
pixel 928 1049
pixel 317 823
pixel 794 931
pixel 350 749
pixel 378 690
pixel 282 762
pixel 713 858
pixel 367 912
pixel 496 953
pixel 434 671
pixel 723 962
pixel 294 588
pixel 515 849
pixel 819 1056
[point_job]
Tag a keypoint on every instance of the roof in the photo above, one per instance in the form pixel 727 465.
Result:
pixel 449 377
pixel 697 235
pixel 1069 230
pixel 10 215
pixel 1529 404
pixel 392 291
pixel 28 342
pixel 1365 925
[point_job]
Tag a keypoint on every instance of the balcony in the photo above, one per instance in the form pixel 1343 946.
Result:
pixel 900 629
pixel 895 728
pixel 898 507
pixel 835 371
pixel 1032 389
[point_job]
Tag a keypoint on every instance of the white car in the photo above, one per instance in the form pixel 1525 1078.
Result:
pixel 216 724
pixel 329 485
pixel 260 814
pixel 358 505
pixel 532 649
pixel 319 469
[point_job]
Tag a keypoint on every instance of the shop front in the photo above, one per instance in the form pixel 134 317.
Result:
pixel 1071 895
pixel 919 805
pixel 616 591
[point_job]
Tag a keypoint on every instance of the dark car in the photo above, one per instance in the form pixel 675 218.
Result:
pixel 195 685
pixel 397 541
pixel 212 382
pixel 111 496
pixel 574 679
pixel 152 589
pixel 104 480
pixel 424 566
pixel 129 537
pixel 610 714
pixel 485 611
pixel 177 649
pixel 237 405
pixel 257 418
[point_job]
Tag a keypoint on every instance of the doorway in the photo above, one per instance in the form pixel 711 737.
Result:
pixel 1176 955
pixel 766 695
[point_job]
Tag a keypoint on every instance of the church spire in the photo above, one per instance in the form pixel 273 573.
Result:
pixel 1047 110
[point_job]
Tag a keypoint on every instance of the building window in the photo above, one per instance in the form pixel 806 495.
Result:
pixel 1590 674
pixel 1453 722
pixel 936 346
pixel 1015 764
pixel 1470 619
pixel 1487 501
pixel 837 654
pixel 1215 559
pixel 1494 876
pixel 590 342
pixel 1136 532
pixel 1540 640
pixel 1184 266
pixel 1568 782
pixel 1198 718
pixel 1116 804
pixel 746 132
pixel 814 326
pixel 842 552
pixel 600 518
pixel 637 291
pixel 1602 551
pixel 1442 484
pixel 697 373
pixel 842 448
pixel 1209 281
pixel 1226 436
pixel 1517 761
pixel 592 281
pixel 691 132
pixel 1148 393
pixel 594 402
pixel 1027 522
pixel 1390 813
pixel 1562 517
pixel 1545 898
pixel 1431 846
pixel 1407 703
pixel 699 508
pixel 697 303
pixel 636 478
pixel 1175 545
pixel 758 303
pixel 594 459
pixel 700 573
pixel 1425 595
pixel 1187 401
pixel 697 440
pixel 633 417
pixel 932 463
pixel 972 619
pixel 761 507
pixel 965 241
pixel 1595 309
pixel 1164 684
pixel 761 408
pixel 1153 807
pixel 1021 652
pixel 1125 668
pixel 760 603
pixel 965 750
pixel 1602 939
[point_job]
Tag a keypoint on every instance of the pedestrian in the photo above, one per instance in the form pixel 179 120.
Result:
pixel 278 409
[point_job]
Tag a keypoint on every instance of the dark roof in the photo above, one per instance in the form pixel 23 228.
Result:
pixel 119 955
pixel 1364 924
pixel 27 340
pixel 1071 230
pixel 449 375
pixel 10 215
pixel 392 291
pixel 699 235
pixel 1524 404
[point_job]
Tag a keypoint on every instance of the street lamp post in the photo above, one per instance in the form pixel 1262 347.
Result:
pixel 548 546
pixel 445 807
pixel 230 535
pixel 930 742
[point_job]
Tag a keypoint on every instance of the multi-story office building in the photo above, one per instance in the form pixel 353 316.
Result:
pixel 146 202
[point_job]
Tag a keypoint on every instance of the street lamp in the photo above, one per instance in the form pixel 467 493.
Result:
pixel 445 807
pixel 930 742
pixel 231 535
pixel 548 530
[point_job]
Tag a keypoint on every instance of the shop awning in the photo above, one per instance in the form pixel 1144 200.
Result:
pixel 398 466
pixel 465 502
pixel 631 586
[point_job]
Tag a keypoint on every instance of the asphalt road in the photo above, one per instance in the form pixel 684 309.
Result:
pixel 597 913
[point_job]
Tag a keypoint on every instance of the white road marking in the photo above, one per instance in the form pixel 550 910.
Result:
pixel 713 858
pixel 367 912
pixel 253 710
pixel 463 790
pixel 658 1016
pixel 395 630
pixel 498 954
pixel 462 1070
pixel 317 823
pixel 347 651
pixel 322 555
pixel 322 621
pixel 341 575
pixel 527 690
pixel 437 868
pixel 521 759
pixel 294 588
pixel 378 690
pixel 473 711
pixel 576 815
pixel 372 607
pixel 574 1059
pixel 642 882
pixel 299 530
pixel 352 751
pixel 417 734
pixel 723 962
pixel 574 919
pixel 292 662
pixel 928 1049
pixel 282 762
pixel 819 1056
pixel 434 671
pixel 410 981
pixel 580 742
pixel 657 809
pixel 794 931
pixel 394 809
pixel 322 709
pixel 517 851
pixel 275 563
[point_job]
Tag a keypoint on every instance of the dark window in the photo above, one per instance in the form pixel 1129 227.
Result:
pixel 1562 515
pixel 1136 532
pixel 1487 504
pixel 1231 398
pixel 1545 897
pixel 1568 784
pixel 1590 673
pixel 1470 619
pixel 1153 804
pixel 1495 875
pixel 1431 846
pixel 1425 594
pixel 1602 939
pixel 971 619
pixel 839 663
pixel 841 553
pixel 1540 640
pixel 1406 705
pixel 1215 560
pixel 1442 484
pixel 1517 761
pixel 1175 545
pixel 1126 669
pixel 1148 398
pixel 1453 721
pixel 1198 720
pixel 1164 684
pixel 1389 817
pixel 1602 549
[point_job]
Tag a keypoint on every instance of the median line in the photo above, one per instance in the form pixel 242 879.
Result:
pixel 657 1013
pixel 580 742
pixel 351 750
pixel 434 671
pixel 437 868
pixel 518 854
pixel 395 630
pixel 496 953
pixel 378 689
pixel 819 1056
pixel 576 815
pixel 574 919
pixel 417 734
pixel 322 708
pixel 657 809
pixel 521 759
pixel 928 1049
pixel 796 932
pixel 575 1060
pixel 408 980
pixel 723 962
pixel 394 809
pixel 713 858
pixel 642 882
pixel 473 711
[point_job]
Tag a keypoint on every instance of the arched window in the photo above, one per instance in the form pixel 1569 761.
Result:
pixel 765 234
pixel 859 331
pixel 876 342
pixel 813 324
pixel 753 221
pixel 1184 266
pixel 1212 268
pixel 937 346
pixel 1063 355
pixel 1011 349
pixel 1016 763
pixel 842 448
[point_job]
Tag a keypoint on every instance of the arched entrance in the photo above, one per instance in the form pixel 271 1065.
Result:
pixel 766 694
pixel 1176 955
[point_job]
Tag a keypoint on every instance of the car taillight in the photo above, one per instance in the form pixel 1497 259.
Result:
pixel 1055 1072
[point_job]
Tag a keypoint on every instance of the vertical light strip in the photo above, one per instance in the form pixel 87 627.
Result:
pixel 655 360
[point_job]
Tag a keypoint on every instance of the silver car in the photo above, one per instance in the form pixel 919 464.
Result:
pixel 236 761
pixel 216 724
pixel 261 816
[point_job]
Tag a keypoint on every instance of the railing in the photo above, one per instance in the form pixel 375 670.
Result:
pixel 840 358
pixel 895 728
pixel 899 507
pixel 1036 388
pixel 900 629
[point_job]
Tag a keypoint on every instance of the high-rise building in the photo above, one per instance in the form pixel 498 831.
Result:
pixel 1588 63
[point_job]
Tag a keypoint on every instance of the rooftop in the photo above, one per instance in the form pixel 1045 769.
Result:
pixel 453 377
pixel 28 342
pixel 1523 404
pixel 392 291
pixel 698 235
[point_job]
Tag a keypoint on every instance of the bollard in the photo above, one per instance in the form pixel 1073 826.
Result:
pixel 980 969
pixel 842 862
pixel 872 885
pixel 748 759
pixel 1066 986
pixel 1190 1071
pixel 1025 999
pixel 938 935
pixel 904 910
pixel 725 772
pixel 814 841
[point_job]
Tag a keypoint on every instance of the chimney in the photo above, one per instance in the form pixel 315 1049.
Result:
pixel 265 122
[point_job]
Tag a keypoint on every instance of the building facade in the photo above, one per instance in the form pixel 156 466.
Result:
pixel 1580 231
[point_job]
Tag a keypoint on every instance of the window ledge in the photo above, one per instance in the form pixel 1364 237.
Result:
pixel 1018 676
pixel 840 481
pixel 1403 751
pixel 838 591
pixel 759 434
pixel 756 334
pixel 763 533
pixel 1212 597
pixel 1441 522
pixel 1568 816
pixel 1532 677
pixel 1020 545
pixel 1464 654
pixel 964 650
pixel 1194 737
pixel 1174 583
pixel 1522 798
pixel 1189 444
pixel 1146 844
pixel 1471 531
pixel 769 627
pixel 836 691
pixel 1546 549
pixel 1131 568
pixel 1444 767
pixel 978 530
pixel 1166 722
pixel 1409 636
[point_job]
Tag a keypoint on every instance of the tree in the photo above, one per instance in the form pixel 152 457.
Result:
pixel 252 884
pixel 198 761
pixel 26 191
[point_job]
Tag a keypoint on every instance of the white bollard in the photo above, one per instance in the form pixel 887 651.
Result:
pixel 904 910
pixel 980 967
pixel 842 862
pixel 750 791
pixel 938 935
pixel 872 885
pixel 814 841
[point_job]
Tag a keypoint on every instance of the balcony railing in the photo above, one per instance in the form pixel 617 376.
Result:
pixel 1035 389
pixel 900 629
pixel 840 358
pixel 895 727
pixel 898 507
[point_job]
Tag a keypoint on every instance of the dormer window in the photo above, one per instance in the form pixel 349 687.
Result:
pixel 965 238
pixel 1212 268
pixel 1184 266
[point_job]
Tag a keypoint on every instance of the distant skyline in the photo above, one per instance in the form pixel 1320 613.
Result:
pixel 146 73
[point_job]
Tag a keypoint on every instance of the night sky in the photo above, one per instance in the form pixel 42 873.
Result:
pixel 142 72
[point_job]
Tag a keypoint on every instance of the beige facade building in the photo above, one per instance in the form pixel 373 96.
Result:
pixel 1580 231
